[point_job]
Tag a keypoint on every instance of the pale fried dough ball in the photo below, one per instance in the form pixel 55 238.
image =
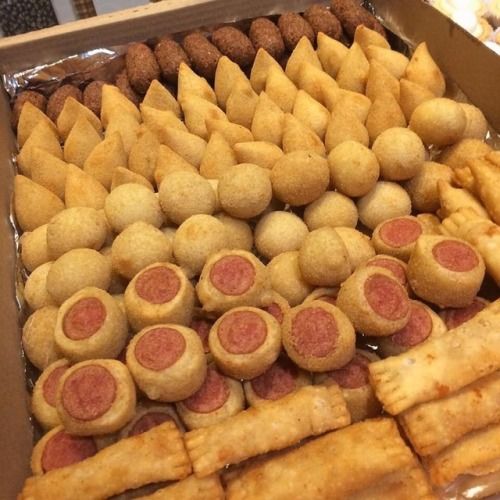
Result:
pixel 439 121
pixel 323 258
pixel 131 203
pixel 196 239
pixel 75 270
pixel 34 250
pixel 286 278
pixel 354 168
pixel 278 232
pixel 331 209
pixel 300 177
pixel 138 246
pixel 423 188
pixel 183 194
pixel 77 227
pixel 239 233
pixel 38 337
pixel 35 288
pixel 385 201
pixel 400 153
pixel 358 245
pixel 245 191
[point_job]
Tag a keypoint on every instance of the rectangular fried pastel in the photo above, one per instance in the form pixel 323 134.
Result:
pixel 333 467
pixel 440 366
pixel 476 453
pixel 400 485
pixel 153 456
pixel 274 425
pixel 435 425
pixel 191 488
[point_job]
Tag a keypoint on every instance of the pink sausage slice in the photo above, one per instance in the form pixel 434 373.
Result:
pixel 353 375
pixel 63 449
pixel 84 318
pixel 202 328
pixel 391 265
pixel 242 332
pixel 455 256
pixel 399 233
pixel 275 311
pixel 418 328
pixel 157 285
pixel 89 392
pixel 232 275
pixel 277 381
pixel 159 348
pixel 314 332
pixel 51 384
pixel 386 297
pixel 455 317
pixel 148 421
pixel 211 395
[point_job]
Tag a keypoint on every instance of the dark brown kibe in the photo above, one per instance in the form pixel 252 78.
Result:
pixel 202 52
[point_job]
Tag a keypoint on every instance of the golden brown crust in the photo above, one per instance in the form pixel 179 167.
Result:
pixel 476 453
pixel 365 454
pixel 434 425
pixel 191 488
pixel 309 411
pixel 154 456
pixel 440 366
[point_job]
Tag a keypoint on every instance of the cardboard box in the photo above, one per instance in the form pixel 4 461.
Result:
pixel 467 61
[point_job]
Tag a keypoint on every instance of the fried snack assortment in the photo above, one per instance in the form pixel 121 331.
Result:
pixel 290 237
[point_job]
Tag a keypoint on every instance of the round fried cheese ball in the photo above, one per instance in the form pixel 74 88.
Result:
pixel 300 177
pixel 245 190
pixel 323 258
pixel 279 232
pixel 238 232
pixel 130 203
pixel 439 121
pixel 286 278
pixel 138 246
pixel 77 227
pixel 38 337
pixel 385 201
pixel 331 209
pixel 354 168
pixel 195 240
pixel 358 245
pixel 78 269
pixel 185 193
pixel 400 153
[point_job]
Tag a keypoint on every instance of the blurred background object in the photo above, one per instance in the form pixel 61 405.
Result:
pixel 21 16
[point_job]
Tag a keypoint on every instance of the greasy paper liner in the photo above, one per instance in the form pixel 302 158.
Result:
pixel 105 64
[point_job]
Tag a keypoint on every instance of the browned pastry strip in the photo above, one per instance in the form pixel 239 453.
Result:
pixel 440 366
pixel 434 425
pixel 476 453
pixel 191 488
pixel 334 467
pixel 274 425
pixel 154 456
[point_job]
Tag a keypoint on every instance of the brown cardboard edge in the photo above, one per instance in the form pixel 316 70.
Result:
pixel 462 57
pixel 16 432
pixel 169 16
